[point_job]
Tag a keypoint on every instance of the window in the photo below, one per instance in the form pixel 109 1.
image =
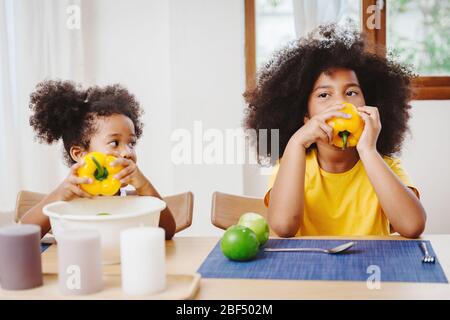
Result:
pixel 419 32
pixel 275 24
pixel 416 31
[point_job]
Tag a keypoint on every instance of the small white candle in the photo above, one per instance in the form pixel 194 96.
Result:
pixel 143 260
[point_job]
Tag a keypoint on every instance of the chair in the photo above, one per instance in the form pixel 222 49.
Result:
pixel 227 208
pixel 25 201
pixel 181 205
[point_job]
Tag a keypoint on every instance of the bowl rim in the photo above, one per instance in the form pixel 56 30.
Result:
pixel 47 210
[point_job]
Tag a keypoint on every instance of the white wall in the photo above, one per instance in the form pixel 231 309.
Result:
pixel 6 218
pixel 426 157
pixel 129 44
pixel 207 82
pixel 184 60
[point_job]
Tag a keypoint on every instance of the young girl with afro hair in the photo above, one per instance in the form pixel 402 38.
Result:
pixel 318 188
pixel 103 119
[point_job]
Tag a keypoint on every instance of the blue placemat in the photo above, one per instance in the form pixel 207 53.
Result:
pixel 397 260
pixel 44 246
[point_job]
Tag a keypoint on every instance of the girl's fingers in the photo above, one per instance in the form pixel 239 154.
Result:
pixel 322 135
pixel 113 153
pixel 364 116
pixel 121 162
pixel 79 180
pixel 76 166
pixel 126 180
pixel 375 113
pixel 85 194
pixel 79 192
pixel 328 131
pixel 124 172
pixel 335 107
pixel 363 110
pixel 372 111
pixel 331 114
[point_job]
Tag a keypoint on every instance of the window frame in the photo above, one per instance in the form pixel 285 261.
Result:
pixel 424 87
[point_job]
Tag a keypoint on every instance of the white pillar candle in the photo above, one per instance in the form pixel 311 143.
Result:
pixel 79 262
pixel 143 260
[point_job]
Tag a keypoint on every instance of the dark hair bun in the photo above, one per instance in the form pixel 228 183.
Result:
pixel 56 105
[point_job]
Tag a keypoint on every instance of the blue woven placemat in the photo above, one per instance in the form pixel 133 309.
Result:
pixel 44 247
pixel 397 260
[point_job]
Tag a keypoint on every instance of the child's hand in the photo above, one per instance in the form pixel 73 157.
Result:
pixel 130 174
pixel 372 128
pixel 316 129
pixel 70 187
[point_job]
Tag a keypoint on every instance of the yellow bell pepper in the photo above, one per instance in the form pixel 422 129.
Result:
pixel 97 167
pixel 346 132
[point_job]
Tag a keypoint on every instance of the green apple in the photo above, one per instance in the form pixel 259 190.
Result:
pixel 258 224
pixel 239 243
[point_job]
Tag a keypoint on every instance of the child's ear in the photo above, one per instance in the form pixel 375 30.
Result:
pixel 77 153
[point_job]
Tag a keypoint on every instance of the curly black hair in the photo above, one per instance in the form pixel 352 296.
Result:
pixel 64 110
pixel 280 98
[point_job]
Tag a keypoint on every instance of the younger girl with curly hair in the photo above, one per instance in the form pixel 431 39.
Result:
pixel 97 119
pixel 318 188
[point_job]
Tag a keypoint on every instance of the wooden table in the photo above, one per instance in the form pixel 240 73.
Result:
pixel 186 254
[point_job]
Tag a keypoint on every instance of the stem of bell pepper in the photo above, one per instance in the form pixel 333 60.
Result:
pixel 101 173
pixel 344 135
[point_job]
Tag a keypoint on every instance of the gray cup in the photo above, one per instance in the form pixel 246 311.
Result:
pixel 20 257
pixel 79 262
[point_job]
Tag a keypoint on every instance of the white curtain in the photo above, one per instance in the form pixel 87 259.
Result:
pixel 309 14
pixel 35 44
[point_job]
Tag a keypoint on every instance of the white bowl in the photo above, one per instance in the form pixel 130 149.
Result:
pixel 125 212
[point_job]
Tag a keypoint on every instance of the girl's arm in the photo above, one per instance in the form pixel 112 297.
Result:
pixel 287 195
pixel 400 205
pixel 286 203
pixel 66 191
pixel 167 221
pixel 36 216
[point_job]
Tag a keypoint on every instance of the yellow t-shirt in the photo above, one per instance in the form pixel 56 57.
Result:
pixel 342 203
